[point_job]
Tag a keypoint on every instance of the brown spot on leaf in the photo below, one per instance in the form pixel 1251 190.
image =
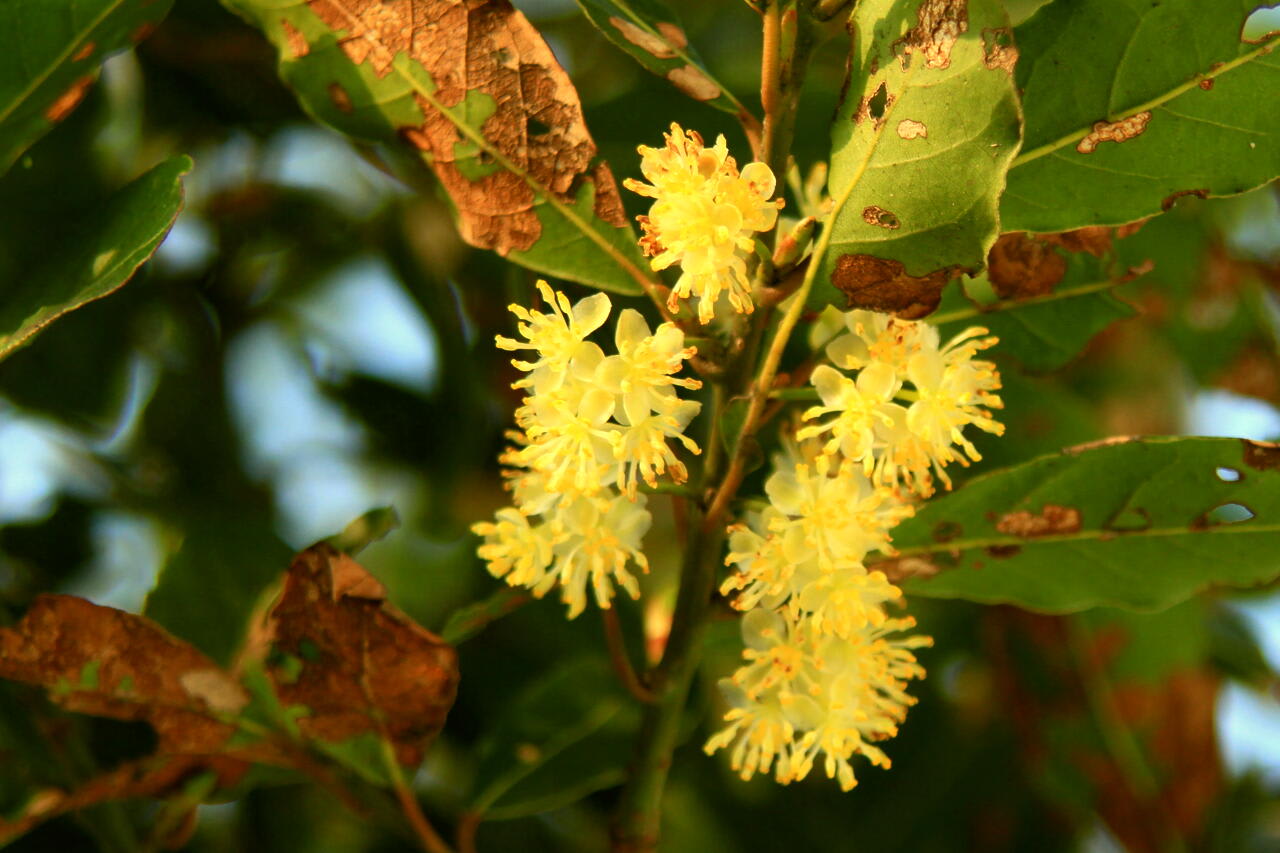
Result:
pixel 85 51
pixel 998 50
pixel 1115 131
pixel 881 284
pixel 673 34
pixel 365 666
pixel 340 98
pixel 1167 204
pixel 1077 449
pixel 1053 520
pixel 487 51
pixel 874 106
pixel 69 100
pixel 690 80
pixel 878 216
pixel 911 129
pixel 1206 83
pixel 1262 455
pixel 142 31
pixel 945 531
pixel 607 203
pixel 1004 552
pixel 1021 267
pixel 642 38
pixel 1094 239
pixel 939 24
pixel 294 40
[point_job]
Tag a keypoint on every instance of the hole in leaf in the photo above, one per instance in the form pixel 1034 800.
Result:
pixel 1228 475
pixel 536 127
pixel 1261 23
pixel 879 101
pixel 1229 514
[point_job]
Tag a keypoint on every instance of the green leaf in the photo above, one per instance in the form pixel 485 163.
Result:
pixel 570 734
pixel 919 149
pixel 1043 331
pixel 1191 94
pixel 365 530
pixel 478 96
pixel 51 58
pixel 99 257
pixel 650 31
pixel 469 620
pixel 1140 524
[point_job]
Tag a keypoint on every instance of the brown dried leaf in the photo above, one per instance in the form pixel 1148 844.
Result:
pixel 485 52
pixel 881 284
pixel 355 661
pixel 109 663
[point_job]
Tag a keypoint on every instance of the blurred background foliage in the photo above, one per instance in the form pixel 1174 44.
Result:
pixel 313 341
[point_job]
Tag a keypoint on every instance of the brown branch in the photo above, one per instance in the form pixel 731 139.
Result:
pixel 620 660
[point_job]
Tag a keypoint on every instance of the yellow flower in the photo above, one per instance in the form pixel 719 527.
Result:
pixel 558 338
pixel 704 216
pixel 903 436
pixel 802 694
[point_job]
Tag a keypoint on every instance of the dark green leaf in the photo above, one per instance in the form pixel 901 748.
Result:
pixel 51 56
pixel 572 733
pixel 100 257
pixel 650 31
pixel 1141 523
pixel 919 149
pixel 476 94
pixel 466 622
pixel 1173 81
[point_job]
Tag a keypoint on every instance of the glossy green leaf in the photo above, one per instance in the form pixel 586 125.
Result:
pixel 469 620
pixel 1140 524
pixel 99 256
pixel 919 149
pixel 52 52
pixel 570 734
pixel 476 95
pixel 650 31
pixel 1173 81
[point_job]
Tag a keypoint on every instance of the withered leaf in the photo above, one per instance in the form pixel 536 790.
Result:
pixel 109 663
pixel 491 74
pixel 334 645
pixel 1020 266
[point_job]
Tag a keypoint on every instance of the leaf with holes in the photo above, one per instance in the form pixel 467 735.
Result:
pixel 1137 523
pixel 1131 104
pixel 99 256
pixel 650 31
pixel 52 56
pixel 919 148
pixel 471 90
pixel 569 735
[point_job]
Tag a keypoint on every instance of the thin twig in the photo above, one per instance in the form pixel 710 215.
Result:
pixel 620 660
pixel 427 835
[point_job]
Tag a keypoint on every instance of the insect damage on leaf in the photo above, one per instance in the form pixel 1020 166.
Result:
pixel 643 39
pixel 878 216
pixel 1262 455
pixel 492 74
pixel 1115 131
pixel 365 666
pixel 294 39
pixel 882 284
pixel 940 24
pixel 909 129
pixel 1050 521
pixel 694 83
pixel 998 50
pixel 70 99
pixel 1020 266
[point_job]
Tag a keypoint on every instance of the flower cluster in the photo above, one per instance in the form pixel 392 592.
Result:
pixel 591 426
pixel 703 217
pixel 826 668
pixel 903 437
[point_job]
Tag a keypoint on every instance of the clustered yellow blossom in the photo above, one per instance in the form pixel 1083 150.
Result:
pixel 902 417
pixel 704 217
pixel 591 426
pixel 826 667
